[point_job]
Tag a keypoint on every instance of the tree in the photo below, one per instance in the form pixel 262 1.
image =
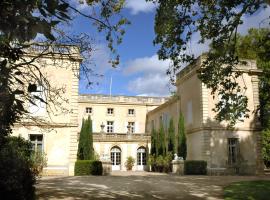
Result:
pixel 161 150
pixel 266 147
pixel 216 22
pixel 255 45
pixel 18 32
pixel 85 146
pixel 171 137
pixel 182 144
pixel 153 150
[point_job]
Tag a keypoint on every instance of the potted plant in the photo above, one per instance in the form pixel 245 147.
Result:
pixel 129 163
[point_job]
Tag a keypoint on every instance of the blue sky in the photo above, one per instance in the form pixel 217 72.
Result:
pixel 140 72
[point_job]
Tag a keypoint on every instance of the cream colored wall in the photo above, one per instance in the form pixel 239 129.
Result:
pixel 170 108
pixel 120 117
pixel 61 123
pixel 207 138
pixel 127 149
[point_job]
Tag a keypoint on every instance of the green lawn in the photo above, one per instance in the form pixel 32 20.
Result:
pixel 248 190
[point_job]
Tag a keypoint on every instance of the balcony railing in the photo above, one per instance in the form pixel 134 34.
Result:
pixel 116 137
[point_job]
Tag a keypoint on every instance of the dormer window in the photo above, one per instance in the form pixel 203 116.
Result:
pixel 131 112
pixel 88 110
pixel 110 111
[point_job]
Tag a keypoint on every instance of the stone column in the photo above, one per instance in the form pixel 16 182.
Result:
pixel 178 167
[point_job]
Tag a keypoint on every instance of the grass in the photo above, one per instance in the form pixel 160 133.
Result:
pixel 248 190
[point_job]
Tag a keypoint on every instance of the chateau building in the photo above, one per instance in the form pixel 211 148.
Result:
pixel 227 151
pixel 122 124
pixel 119 126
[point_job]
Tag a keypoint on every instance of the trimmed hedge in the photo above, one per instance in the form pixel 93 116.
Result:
pixel 88 167
pixel 195 167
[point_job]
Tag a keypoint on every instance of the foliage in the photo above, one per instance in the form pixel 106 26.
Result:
pixel 195 167
pixel 17 179
pixel 217 22
pixel 266 147
pixel 182 143
pixel 171 137
pixel 153 142
pixel 85 146
pixel 255 45
pixel 19 76
pixel 161 146
pixel 39 161
pixel 259 190
pixel 130 162
pixel 87 167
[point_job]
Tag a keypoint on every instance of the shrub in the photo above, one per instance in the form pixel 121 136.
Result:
pixel 130 163
pixel 266 147
pixel 195 167
pixel 17 180
pixel 88 167
pixel 39 161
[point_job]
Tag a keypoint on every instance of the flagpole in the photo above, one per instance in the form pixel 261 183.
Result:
pixel 111 87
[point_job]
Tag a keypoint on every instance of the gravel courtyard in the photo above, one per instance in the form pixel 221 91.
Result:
pixel 136 185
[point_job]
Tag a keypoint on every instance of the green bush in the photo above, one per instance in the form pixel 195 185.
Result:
pixel 130 163
pixel 88 167
pixel 17 179
pixel 195 167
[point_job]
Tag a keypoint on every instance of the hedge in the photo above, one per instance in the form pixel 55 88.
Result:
pixel 88 167
pixel 195 167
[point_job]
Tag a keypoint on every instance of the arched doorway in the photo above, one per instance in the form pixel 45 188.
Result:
pixel 141 158
pixel 116 158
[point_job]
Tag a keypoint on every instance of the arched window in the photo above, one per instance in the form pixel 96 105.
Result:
pixel 116 158
pixel 141 156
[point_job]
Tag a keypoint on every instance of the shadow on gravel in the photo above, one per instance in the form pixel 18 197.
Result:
pixel 135 187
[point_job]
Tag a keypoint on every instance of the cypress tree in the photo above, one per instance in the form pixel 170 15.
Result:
pixel 161 141
pixel 153 142
pixel 85 147
pixel 182 145
pixel 171 137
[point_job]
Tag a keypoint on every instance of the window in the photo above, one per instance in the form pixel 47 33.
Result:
pixel 131 127
pixel 110 111
pixel 131 112
pixel 88 110
pixel 116 156
pixel 141 156
pixel 109 126
pixel 37 105
pixel 233 150
pixel 37 142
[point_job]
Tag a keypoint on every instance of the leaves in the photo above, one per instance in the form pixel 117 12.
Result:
pixel 216 22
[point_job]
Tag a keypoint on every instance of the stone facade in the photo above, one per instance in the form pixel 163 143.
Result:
pixel 119 127
pixel 122 124
pixel 233 151
pixel 55 132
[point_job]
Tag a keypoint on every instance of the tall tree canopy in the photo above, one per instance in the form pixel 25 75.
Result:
pixel 20 24
pixel 255 45
pixel 216 22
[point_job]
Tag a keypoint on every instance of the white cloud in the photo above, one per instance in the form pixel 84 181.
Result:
pixel 137 6
pixel 145 65
pixel 150 85
pixel 151 76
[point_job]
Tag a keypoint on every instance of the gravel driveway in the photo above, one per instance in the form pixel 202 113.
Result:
pixel 136 185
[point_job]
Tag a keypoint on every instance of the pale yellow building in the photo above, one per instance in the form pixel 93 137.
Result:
pixel 225 150
pixel 119 127
pixel 54 127
pixel 122 124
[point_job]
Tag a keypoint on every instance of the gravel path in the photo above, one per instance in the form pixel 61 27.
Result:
pixel 137 185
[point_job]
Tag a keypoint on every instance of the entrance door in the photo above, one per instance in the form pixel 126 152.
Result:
pixel 141 158
pixel 116 158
